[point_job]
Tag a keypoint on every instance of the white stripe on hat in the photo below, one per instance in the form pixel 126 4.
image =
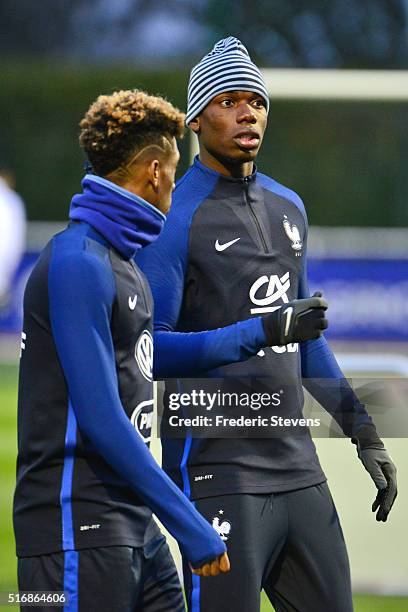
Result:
pixel 231 74
pixel 224 67
pixel 227 67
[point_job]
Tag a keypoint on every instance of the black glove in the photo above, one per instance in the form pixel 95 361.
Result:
pixel 296 321
pixel 379 465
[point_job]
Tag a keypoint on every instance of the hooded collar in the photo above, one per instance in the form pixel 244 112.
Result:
pixel 124 219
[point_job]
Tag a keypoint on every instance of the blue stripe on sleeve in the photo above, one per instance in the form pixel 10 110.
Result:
pixel 184 460
pixel 68 542
pixel 184 464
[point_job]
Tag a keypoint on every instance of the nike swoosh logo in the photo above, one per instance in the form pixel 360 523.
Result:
pixel 132 302
pixel 288 312
pixel 221 247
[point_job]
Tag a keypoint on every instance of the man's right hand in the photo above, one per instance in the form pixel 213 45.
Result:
pixel 296 321
pixel 220 564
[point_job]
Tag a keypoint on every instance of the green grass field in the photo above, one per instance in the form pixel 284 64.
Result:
pixel 8 400
pixel 8 446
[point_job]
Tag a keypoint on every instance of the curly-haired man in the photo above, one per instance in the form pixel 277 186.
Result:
pixel 86 481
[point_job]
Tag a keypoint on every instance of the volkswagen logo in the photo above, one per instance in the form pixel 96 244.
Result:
pixel 144 354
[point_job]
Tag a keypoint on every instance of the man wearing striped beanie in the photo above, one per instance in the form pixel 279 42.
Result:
pixel 228 276
pixel 227 67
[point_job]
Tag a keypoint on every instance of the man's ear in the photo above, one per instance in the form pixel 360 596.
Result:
pixel 194 125
pixel 154 173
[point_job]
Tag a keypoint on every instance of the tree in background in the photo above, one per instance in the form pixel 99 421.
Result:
pixel 316 33
pixel 58 55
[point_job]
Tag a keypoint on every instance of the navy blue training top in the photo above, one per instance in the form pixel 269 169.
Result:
pixel 85 475
pixel 232 251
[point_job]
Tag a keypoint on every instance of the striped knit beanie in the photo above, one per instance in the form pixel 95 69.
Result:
pixel 227 67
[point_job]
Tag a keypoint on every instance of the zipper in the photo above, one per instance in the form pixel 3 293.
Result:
pixel 253 214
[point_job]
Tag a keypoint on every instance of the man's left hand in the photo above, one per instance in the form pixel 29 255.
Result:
pixel 382 470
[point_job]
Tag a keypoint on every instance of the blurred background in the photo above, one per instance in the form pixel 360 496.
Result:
pixel 338 135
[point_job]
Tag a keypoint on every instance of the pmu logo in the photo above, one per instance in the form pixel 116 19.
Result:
pixel 144 354
pixel 142 418
pixel 267 290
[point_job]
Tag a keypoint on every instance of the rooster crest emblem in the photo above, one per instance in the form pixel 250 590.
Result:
pixel 223 529
pixel 292 233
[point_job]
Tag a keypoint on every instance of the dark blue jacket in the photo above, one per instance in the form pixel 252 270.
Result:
pixel 232 251
pixel 85 475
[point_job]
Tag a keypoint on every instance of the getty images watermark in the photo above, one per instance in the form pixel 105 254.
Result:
pixel 231 409
pixel 219 399
pixel 208 400
pixel 250 407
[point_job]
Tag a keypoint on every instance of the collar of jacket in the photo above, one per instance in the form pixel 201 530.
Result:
pixel 124 219
pixel 200 166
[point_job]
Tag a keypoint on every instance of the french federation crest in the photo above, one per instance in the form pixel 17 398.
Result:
pixel 292 232
pixel 223 527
